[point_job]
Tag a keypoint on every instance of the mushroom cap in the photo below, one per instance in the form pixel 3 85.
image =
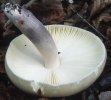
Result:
pixel 82 59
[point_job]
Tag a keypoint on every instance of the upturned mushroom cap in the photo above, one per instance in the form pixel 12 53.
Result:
pixel 82 59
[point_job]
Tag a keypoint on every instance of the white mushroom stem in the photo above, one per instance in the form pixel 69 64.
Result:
pixel 28 24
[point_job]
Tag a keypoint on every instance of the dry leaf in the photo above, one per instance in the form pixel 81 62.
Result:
pixel 109 33
pixel 3 20
pixel 99 5
pixel 49 13
pixel 105 16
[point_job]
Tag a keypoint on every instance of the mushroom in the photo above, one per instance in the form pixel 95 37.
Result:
pixel 52 61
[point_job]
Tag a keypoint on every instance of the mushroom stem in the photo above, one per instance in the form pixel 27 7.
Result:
pixel 44 42
pixel 28 24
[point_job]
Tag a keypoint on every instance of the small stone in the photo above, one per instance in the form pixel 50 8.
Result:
pixel 105 95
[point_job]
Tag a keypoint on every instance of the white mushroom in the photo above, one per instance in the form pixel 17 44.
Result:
pixel 59 62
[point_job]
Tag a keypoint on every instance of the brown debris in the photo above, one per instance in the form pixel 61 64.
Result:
pixel 3 20
pixel 50 13
pixel 109 33
pixel 98 6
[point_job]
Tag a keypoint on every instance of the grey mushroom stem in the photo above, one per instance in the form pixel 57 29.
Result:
pixel 28 24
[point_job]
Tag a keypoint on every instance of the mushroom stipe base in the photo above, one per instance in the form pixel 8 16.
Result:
pixel 82 59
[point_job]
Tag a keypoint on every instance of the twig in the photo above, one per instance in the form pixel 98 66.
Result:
pixel 99 33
